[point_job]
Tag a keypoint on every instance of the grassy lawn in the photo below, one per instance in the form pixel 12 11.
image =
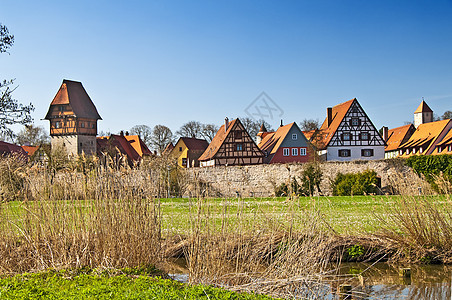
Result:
pixel 57 285
pixel 345 214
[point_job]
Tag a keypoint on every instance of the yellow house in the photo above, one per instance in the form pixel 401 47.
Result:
pixel 188 150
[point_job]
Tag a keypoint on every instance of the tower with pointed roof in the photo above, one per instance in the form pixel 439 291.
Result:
pixel 73 119
pixel 423 114
pixel 261 133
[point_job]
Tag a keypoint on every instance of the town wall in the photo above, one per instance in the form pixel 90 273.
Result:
pixel 261 180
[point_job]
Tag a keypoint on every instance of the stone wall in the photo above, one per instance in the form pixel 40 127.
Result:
pixel 260 180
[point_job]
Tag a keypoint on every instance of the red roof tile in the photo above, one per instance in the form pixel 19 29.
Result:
pixel 397 136
pixel 74 94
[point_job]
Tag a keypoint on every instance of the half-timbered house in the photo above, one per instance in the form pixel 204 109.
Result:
pixel 348 134
pixel 286 144
pixel 231 146
pixel 73 119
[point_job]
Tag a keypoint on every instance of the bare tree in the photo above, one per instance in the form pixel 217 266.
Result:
pixel 144 132
pixel 209 131
pixel 33 135
pixel 309 124
pixel 191 129
pixel 447 115
pixel 161 136
pixel 11 111
pixel 252 126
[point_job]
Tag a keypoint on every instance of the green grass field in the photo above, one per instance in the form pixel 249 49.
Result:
pixel 345 214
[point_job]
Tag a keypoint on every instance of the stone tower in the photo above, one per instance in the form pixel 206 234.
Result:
pixel 73 119
pixel 423 114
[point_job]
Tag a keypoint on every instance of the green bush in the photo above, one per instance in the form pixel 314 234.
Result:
pixel 432 167
pixel 355 184
pixel 311 178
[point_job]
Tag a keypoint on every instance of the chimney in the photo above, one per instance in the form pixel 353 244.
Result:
pixel 281 125
pixel 329 115
pixel 385 133
pixel 226 124
pixel 121 133
pixel 127 133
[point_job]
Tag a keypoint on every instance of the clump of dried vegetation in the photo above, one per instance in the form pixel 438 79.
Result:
pixel 103 213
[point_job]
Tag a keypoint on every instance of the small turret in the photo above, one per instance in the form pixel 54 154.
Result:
pixel 261 132
pixel 423 114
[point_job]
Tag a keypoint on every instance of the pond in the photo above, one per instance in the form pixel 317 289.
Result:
pixel 373 281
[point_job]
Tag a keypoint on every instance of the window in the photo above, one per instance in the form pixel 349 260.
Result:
pixel 238 134
pixel 57 125
pixel 286 151
pixel 61 108
pixel 449 148
pixel 421 150
pixel 239 147
pixel 364 136
pixel 354 122
pixel 407 151
pixel 344 153
pixel 401 151
pixel 346 136
pixel 180 149
pixel 82 124
pixel 294 136
pixel 414 150
pixel 303 151
pixel 367 152
pixel 81 144
pixel 92 126
pixel 294 151
pixel 184 161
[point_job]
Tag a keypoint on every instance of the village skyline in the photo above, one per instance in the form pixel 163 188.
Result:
pixel 169 63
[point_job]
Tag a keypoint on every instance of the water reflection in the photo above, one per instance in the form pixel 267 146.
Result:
pixel 368 281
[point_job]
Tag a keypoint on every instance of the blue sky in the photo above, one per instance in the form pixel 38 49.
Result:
pixel 169 62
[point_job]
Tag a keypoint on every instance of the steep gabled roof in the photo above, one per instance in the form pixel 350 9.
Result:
pixel 427 134
pixel 74 94
pixel 138 145
pixel 327 131
pixel 273 140
pixel 217 141
pixel 397 136
pixel 195 144
pixel 423 107
pixel 447 139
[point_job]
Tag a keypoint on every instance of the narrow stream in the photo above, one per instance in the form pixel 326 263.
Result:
pixel 374 281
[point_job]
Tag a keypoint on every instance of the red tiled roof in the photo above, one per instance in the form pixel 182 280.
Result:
pixel 217 141
pixel 195 144
pixel 427 134
pixel 326 131
pixel 138 145
pixel 74 94
pixel 273 140
pixel 30 150
pixel 423 107
pixel 397 136
pixel 447 139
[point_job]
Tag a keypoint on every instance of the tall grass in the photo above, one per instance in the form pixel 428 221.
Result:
pixel 99 219
pixel 419 229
